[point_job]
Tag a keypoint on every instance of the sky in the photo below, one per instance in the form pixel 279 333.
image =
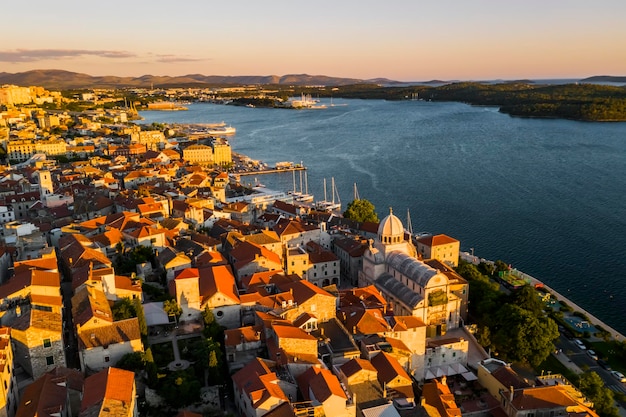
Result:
pixel 404 40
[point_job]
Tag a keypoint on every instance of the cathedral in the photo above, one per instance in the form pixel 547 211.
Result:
pixel 410 286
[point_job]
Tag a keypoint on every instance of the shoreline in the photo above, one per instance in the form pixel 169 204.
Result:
pixel 558 296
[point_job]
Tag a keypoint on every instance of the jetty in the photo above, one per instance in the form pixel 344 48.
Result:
pixel 270 171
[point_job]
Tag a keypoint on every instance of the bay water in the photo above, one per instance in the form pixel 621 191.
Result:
pixel 545 195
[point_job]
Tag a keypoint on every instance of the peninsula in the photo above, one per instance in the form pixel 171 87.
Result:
pixel 588 99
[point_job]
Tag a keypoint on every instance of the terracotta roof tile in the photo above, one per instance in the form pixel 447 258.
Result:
pixel 42 398
pixel 117 332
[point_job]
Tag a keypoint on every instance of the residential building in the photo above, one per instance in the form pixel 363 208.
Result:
pixel 210 287
pixel 110 392
pixel 48 396
pixel 8 381
pixel 101 340
pixel 321 386
pixel 350 253
pixel 257 389
pixel 242 345
pixel 222 155
pixel 441 247
pixel 198 154
pixel 436 395
pixel 38 341
pixel 393 377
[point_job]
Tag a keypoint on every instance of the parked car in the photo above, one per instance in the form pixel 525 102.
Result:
pixel 604 364
pixel 592 354
pixel 580 344
pixel 620 376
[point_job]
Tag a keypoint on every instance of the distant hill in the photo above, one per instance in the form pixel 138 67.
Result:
pixel 604 79
pixel 59 79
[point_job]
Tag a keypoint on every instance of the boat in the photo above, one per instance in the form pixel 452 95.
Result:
pixel 305 102
pixel 303 195
pixel 221 130
pixel 212 129
pixel 332 205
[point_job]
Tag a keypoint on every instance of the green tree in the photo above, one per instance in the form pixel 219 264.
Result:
pixel 180 388
pixel 123 309
pixel 521 336
pixel 602 397
pixel 361 211
pixel 141 317
pixel 501 266
pixel 484 337
pixel 151 368
pixel 485 297
pixel 528 299
pixel 133 361
pixel 172 308
pixel 211 328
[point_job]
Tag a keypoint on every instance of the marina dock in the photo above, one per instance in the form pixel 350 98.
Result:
pixel 269 171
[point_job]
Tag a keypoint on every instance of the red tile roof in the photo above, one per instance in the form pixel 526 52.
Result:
pixel 321 383
pixel 438 395
pixel 42 398
pixel 436 240
pixel 112 387
pixel 389 368
pixel 122 331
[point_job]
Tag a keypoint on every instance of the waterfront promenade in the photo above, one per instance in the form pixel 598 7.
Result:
pixel 555 294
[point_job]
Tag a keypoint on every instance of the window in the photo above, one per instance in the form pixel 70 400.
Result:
pixel 219 314
pixel 49 360
pixel 46 343
pixel 107 358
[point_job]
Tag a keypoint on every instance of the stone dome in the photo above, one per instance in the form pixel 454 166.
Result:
pixel 391 229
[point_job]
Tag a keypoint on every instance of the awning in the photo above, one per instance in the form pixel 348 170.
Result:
pixel 469 376
pixel 154 313
pixel 459 368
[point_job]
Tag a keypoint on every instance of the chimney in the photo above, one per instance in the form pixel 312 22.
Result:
pixel 511 393
pixel 444 380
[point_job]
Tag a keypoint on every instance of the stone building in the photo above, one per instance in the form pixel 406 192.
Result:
pixel 8 382
pixel 38 341
pixel 441 247
pixel 410 286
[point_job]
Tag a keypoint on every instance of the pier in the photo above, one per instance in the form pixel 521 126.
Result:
pixel 270 171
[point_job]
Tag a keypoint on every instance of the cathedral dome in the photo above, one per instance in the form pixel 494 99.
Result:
pixel 391 229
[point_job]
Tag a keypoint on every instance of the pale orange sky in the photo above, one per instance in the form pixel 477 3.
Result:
pixel 400 40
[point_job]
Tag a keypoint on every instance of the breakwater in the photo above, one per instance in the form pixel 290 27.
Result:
pixel 268 171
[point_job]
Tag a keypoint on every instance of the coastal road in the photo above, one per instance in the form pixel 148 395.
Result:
pixel 582 360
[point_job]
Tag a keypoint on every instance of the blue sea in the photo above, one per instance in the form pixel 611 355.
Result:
pixel 544 195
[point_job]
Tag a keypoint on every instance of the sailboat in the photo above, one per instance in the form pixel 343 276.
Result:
pixel 332 205
pixel 303 195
